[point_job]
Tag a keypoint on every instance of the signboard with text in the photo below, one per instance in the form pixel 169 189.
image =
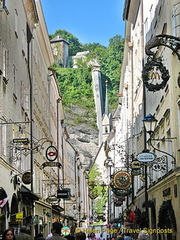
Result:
pixel 145 157
pixel 64 193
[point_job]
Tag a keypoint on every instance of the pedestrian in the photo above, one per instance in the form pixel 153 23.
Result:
pixel 101 237
pixel 8 235
pixel 70 237
pixel 40 236
pixel 80 236
pixel 23 234
pixel 49 235
pixel 92 236
pixel 56 232
pixel 120 236
pixel 127 236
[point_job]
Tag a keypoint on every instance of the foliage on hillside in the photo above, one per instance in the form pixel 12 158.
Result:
pixel 75 84
pixel 79 81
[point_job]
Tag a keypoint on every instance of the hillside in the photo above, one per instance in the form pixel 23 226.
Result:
pixel 76 88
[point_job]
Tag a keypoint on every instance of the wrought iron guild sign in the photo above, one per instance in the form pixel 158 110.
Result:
pixel 155 76
pixel 160 164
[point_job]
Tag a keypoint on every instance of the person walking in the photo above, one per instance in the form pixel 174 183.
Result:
pixel 56 232
pixel 40 236
pixel 80 236
pixel 23 234
pixel 120 236
pixel 8 235
pixel 127 236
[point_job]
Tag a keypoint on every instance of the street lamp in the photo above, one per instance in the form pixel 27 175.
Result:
pixel 150 123
pixel 108 163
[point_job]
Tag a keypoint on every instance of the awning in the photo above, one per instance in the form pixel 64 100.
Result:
pixel 26 192
pixel 68 217
pixel 57 208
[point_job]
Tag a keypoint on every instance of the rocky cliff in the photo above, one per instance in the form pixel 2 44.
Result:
pixel 82 131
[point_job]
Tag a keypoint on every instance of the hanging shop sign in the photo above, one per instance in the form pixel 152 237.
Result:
pixel 155 75
pixel 65 231
pixel 51 153
pixel 135 172
pixel 146 157
pixel 24 141
pixel 160 164
pixel 122 193
pixel 51 164
pixel 122 180
pixel 92 194
pixel 136 166
pixel 64 193
pixel 27 177
pixel 19 217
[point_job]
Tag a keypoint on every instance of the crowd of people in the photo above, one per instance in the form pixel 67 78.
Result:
pixel 56 235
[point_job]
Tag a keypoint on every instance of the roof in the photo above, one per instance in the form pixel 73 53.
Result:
pixel 58 38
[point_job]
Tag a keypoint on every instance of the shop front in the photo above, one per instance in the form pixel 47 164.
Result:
pixel 43 217
pixel 164 209
pixel 4 210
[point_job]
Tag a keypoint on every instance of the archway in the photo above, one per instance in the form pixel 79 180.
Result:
pixel 4 211
pixel 167 220
pixel 14 210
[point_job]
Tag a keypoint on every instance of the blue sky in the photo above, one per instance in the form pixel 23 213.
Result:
pixel 91 21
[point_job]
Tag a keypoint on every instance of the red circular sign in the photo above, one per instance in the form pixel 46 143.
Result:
pixel 51 153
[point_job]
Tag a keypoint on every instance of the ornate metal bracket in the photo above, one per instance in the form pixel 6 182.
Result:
pixel 154 74
pixel 163 40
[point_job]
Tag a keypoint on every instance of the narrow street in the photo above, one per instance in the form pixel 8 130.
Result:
pixel 110 165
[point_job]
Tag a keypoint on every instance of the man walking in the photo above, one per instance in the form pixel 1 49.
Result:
pixel 23 234
pixel 56 231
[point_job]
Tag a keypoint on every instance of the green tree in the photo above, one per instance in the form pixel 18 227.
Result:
pixel 91 46
pixel 109 58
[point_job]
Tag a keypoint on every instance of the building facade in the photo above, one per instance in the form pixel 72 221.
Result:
pixel 151 27
pixel 34 150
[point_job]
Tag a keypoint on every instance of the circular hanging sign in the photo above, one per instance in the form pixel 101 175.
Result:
pixel 146 157
pixel 155 75
pixel 51 153
pixel 27 177
pixel 122 180
pixel 65 231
